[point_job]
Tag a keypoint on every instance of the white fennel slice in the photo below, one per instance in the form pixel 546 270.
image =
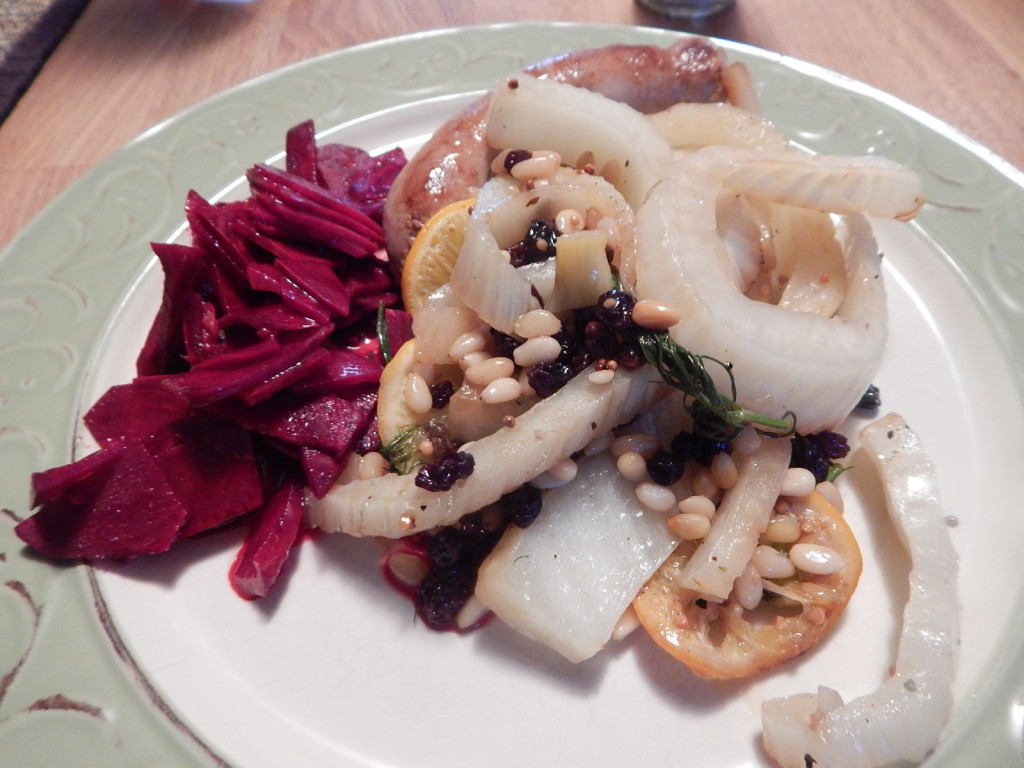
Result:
pixel 567 579
pixel 394 506
pixel 902 720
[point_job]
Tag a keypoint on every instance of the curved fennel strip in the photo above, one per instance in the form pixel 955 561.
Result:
pixel 693 125
pixel 805 248
pixel 815 366
pixel 566 580
pixel 741 518
pixel 870 184
pixel 485 280
pixel 393 506
pixel 532 113
pixel 902 719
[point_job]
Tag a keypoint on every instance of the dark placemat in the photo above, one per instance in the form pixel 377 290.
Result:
pixel 29 31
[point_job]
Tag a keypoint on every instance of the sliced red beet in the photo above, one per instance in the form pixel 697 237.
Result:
pixel 268 543
pixel 327 423
pixel 269 318
pixel 321 470
pixel 262 363
pixel 308 224
pixel 122 509
pixel 138 409
pixel 267 182
pixel 229 294
pixel 399 328
pixel 205 471
pixel 337 164
pixel 300 151
pixel 232 372
pixel 346 370
pixel 58 482
pixel 267 277
pixel 370 440
pixel 213 468
pixel 164 345
pixel 368 277
pixel 211 230
pixel 308 365
pixel 361 180
pixel 368 303
pixel 321 282
pixel 200 332
pixel 369 187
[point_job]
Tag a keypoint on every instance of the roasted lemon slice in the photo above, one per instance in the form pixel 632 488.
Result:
pixel 724 640
pixel 432 255
pixel 393 411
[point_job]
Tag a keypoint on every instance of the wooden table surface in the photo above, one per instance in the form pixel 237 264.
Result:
pixel 128 64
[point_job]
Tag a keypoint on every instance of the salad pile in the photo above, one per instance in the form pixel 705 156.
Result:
pixel 258 377
pixel 599 389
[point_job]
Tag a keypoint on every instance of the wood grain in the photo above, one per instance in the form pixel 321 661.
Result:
pixel 129 64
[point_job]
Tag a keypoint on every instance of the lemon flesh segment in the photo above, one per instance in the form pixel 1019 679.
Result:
pixel 723 641
pixel 393 413
pixel 430 260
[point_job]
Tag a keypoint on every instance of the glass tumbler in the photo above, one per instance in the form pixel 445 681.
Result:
pixel 686 9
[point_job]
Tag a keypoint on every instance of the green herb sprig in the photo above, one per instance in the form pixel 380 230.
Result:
pixel 716 416
pixel 382 334
pixel 403 451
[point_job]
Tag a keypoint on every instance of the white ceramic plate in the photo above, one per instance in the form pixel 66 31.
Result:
pixel 332 669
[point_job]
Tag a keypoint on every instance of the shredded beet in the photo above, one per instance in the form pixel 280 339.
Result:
pixel 117 501
pixel 258 377
pixel 272 536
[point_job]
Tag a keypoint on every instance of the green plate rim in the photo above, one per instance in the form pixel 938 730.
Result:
pixel 65 276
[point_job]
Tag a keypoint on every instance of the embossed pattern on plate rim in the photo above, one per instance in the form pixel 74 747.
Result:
pixel 63 278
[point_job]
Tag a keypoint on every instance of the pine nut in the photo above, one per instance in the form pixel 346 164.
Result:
pixel 524 382
pixel 536 350
pixel 723 470
pixel 627 622
pixel 564 470
pixel 771 563
pixel 816 559
pixel 501 390
pixel 689 526
pixel 747 441
pixel 467 361
pixel 471 341
pixel 601 377
pixel 748 589
pixel 540 165
pixel 655 316
pixel 417 394
pixel 703 483
pixel 632 466
pixel 537 322
pixel 782 529
pixel 486 371
pixel 372 464
pixel 698 505
pixel 408 569
pixel 798 482
pixel 569 221
pixel 598 445
pixel 471 613
pixel 831 493
pixel 560 474
pixel 655 497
